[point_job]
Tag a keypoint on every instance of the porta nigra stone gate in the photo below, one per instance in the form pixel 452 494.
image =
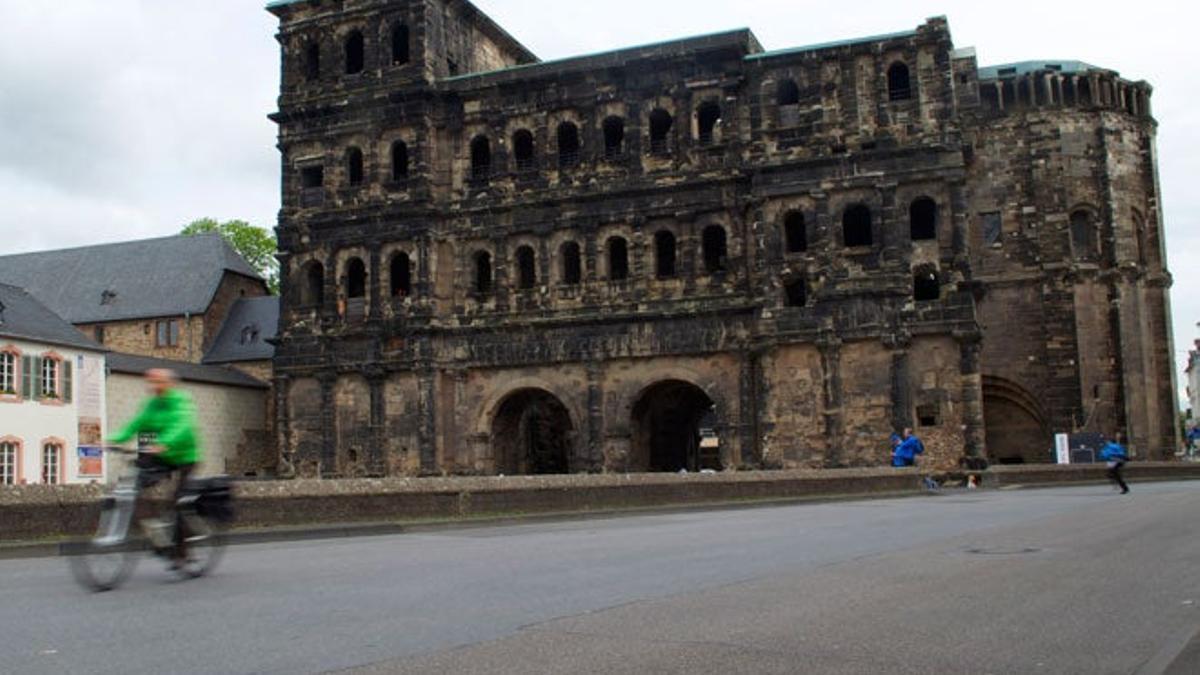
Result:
pixel 702 255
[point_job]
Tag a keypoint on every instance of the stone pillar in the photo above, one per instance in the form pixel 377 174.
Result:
pixel 423 269
pixel 377 453
pixel 285 460
pixel 831 356
pixel 460 454
pixel 328 380
pixel 593 460
pixel 902 405
pixel 427 413
pixel 972 394
pixel 374 284
pixel 750 389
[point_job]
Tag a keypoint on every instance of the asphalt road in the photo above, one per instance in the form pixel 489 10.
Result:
pixel 1071 580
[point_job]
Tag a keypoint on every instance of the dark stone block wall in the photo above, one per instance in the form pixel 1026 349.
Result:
pixel 700 255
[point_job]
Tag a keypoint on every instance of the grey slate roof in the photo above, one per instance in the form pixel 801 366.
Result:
pixel 169 276
pixel 243 336
pixel 23 317
pixel 131 364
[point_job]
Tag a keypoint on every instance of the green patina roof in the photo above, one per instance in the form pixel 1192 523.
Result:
pixel 831 45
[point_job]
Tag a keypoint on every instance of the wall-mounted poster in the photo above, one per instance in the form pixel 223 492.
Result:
pixel 91 461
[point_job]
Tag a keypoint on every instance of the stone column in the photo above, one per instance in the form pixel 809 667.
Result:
pixel 377 453
pixel 460 456
pixel 427 413
pixel 594 451
pixel 974 440
pixel 285 460
pixel 831 356
pixel 328 379
pixel 423 269
pixel 902 405
pixel 375 286
pixel 750 389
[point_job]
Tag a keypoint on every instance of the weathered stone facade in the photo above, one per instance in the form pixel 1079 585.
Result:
pixel 702 255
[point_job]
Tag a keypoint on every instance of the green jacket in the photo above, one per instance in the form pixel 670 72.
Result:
pixel 170 418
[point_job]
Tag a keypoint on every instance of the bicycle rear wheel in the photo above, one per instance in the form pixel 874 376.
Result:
pixel 205 544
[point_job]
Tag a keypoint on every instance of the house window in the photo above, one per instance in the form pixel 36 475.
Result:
pixel 618 259
pixel 572 264
pixel 98 334
pixel 899 88
pixel 660 131
pixel 8 373
pixel 526 268
pixel 856 226
pixel 399 161
pixel 708 116
pixel 355 53
pixel 483 273
pixel 795 233
pixel 664 254
pixel 715 249
pixel 51 464
pixel 8 463
pixel 614 137
pixel 927 415
pixel 166 333
pixel 523 153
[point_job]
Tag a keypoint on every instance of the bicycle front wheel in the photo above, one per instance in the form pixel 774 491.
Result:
pixel 105 561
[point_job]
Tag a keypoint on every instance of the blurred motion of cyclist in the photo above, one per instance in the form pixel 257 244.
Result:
pixel 166 425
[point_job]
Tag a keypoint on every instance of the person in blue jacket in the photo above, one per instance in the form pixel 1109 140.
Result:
pixel 905 449
pixel 1114 453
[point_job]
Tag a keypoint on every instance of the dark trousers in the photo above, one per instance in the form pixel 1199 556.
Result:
pixel 1114 474
pixel 185 472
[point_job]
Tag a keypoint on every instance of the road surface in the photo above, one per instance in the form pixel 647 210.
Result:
pixel 1064 580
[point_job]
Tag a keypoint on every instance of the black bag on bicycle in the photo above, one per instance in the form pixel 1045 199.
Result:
pixel 215 498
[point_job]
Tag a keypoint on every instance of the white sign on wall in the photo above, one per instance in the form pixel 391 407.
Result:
pixel 1062 448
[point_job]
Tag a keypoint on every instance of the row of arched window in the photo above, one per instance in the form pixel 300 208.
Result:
pixel 569 141
pixel 354 53
pixel 356 173
pixel 856 225
pixel 898 82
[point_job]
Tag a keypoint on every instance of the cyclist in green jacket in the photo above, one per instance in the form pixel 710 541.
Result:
pixel 166 423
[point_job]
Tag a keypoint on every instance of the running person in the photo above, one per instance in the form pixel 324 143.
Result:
pixel 168 417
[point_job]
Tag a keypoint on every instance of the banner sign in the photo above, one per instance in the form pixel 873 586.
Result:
pixel 91 461
pixel 1062 448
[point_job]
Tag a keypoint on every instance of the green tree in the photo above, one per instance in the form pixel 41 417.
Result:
pixel 255 244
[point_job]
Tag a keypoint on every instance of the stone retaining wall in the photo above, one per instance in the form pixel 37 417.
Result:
pixel 39 511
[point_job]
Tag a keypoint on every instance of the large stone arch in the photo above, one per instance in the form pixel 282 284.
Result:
pixel 1014 424
pixel 666 422
pixel 532 432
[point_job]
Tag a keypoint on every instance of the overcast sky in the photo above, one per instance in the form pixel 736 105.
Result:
pixel 122 119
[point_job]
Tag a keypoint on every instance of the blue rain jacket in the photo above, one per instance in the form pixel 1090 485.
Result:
pixel 1113 452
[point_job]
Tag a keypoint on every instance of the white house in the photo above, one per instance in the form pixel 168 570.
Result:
pixel 52 396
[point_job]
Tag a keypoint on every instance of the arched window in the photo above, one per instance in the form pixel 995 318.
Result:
pixel 922 219
pixel 481 158
pixel 618 259
pixel 856 226
pixel 312 62
pixel 356 279
pixel 483 273
pixel 795 293
pixel 526 268
pixel 568 145
pixel 708 116
pixel 354 166
pixel 660 131
pixel 572 265
pixel 523 153
pixel 788 93
pixel 926 285
pixel 899 87
pixel 1083 235
pixel 795 232
pixel 614 137
pixel 355 53
pixel 399 161
pixel 716 249
pixel 401 275
pixel 400 44
pixel 312 286
pixel 664 254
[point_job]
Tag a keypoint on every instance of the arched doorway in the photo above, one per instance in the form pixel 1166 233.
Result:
pixel 674 428
pixel 1015 429
pixel 532 434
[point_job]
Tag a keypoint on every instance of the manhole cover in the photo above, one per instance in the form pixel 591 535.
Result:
pixel 1003 550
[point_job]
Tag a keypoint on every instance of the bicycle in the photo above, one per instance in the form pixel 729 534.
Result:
pixel 204 511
